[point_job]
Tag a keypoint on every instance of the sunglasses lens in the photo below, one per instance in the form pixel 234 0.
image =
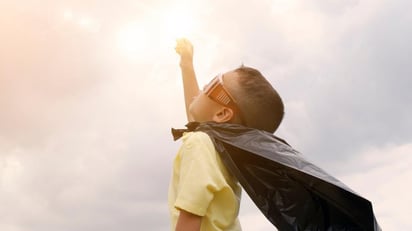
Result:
pixel 210 86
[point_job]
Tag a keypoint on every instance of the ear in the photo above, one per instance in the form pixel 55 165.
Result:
pixel 225 114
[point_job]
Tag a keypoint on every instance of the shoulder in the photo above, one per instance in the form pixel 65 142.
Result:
pixel 197 138
pixel 195 143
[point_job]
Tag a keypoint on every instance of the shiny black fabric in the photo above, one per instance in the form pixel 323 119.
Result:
pixel 290 191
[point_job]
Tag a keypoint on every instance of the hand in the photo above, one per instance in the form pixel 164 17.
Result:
pixel 185 49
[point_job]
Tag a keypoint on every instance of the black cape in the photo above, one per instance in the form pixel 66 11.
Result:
pixel 291 192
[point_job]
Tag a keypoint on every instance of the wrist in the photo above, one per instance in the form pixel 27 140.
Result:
pixel 186 62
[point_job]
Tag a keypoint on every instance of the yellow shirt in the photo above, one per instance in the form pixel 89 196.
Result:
pixel 201 185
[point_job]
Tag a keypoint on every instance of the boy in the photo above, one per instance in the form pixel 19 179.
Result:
pixel 203 195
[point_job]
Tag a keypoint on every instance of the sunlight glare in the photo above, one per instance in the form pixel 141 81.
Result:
pixel 178 23
pixel 131 39
pixel 156 31
pixel 68 15
pixel 282 6
pixel 84 22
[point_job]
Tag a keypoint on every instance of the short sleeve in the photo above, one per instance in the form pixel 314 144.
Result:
pixel 200 175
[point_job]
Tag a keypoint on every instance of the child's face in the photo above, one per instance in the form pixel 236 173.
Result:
pixel 207 107
pixel 202 108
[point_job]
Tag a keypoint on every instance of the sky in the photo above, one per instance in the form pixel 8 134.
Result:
pixel 90 89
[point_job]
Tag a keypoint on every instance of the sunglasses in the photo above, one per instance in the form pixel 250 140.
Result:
pixel 217 92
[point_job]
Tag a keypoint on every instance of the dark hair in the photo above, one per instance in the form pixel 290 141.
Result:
pixel 260 104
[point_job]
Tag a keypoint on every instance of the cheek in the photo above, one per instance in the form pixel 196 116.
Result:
pixel 199 108
pixel 194 105
pixel 197 104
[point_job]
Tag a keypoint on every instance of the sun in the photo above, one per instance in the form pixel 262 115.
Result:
pixel 131 39
pixel 160 26
pixel 179 22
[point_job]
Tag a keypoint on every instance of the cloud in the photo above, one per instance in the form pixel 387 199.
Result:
pixel 80 130
pixel 94 174
pixel 351 83
pixel 251 218
pixel 44 69
pixel 381 174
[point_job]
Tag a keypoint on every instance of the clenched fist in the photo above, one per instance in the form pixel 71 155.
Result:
pixel 185 49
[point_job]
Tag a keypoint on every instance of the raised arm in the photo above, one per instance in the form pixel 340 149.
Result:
pixel 190 87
